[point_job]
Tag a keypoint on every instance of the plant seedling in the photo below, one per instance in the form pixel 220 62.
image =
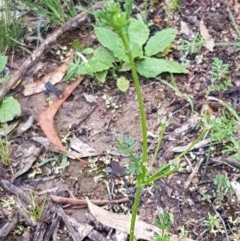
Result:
pixel 223 187
pixel 164 222
pixel 192 47
pixel 220 75
pixel 126 46
pixel 35 209
pixel 213 222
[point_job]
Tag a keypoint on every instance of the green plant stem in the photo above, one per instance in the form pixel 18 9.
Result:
pixel 162 130
pixel 191 145
pixel 142 173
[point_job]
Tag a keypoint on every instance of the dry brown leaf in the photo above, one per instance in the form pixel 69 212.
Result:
pixel 122 222
pixel 46 118
pixel 185 29
pixel 236 188
pixel 54 77
pixel 83 149
pixel 209 41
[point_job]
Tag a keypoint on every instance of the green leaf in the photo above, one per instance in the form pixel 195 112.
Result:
pixel 138 34
pixel 101 76
pixel 160 41
pixel 87 51
pixel 111 41
pixel 162 172
pixel 136 50
pixel 125 67
pixel 3 62
pixel 81 70
pixel 102 60
pixel 152 67
pixel 123 84
pixel 9 108
pixel 76 45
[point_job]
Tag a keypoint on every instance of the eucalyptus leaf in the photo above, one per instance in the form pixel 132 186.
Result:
pixel 9 109
pixel 160 41
pixel 123 84
pixel 152 67
pixel 111 41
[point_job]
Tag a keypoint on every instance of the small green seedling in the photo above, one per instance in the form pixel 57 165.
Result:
pixel 35 209
pixel 192 47
pixel 164 222
pixel 55 159
pixel 213 222
pixel 223 187
pixel 220 75
pixel 224 129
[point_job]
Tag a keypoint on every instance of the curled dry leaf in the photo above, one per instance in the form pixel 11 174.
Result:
pixel 46 118
pixel 209 41
pixel 82 148
pixel 122 222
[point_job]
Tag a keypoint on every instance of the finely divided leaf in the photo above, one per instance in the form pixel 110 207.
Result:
pixel 9 108
pixel 160 41
pixel 110 40
pixel 152 67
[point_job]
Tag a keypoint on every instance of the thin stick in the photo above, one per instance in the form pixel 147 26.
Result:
pixel 83 202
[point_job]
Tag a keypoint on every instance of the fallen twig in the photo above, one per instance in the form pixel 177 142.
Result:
pixel 22 195
pixel 83 202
